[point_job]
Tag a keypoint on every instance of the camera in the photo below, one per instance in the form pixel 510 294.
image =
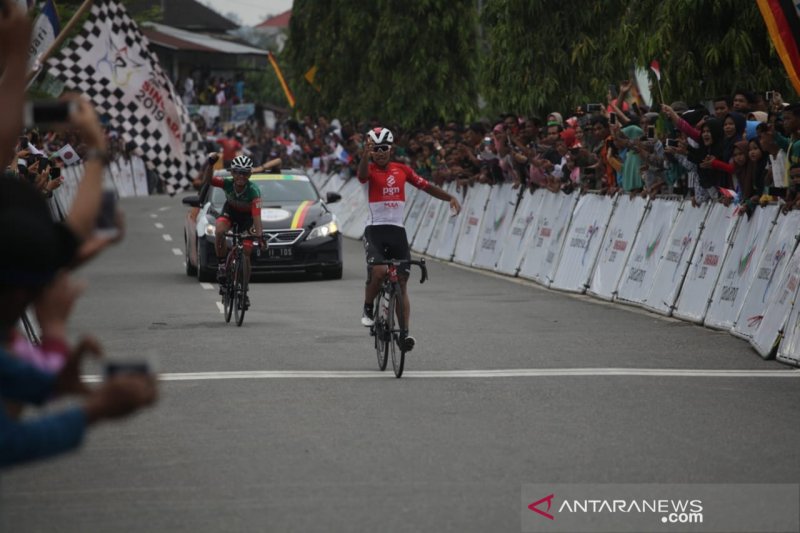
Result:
pixel 594 108
pixel 47 112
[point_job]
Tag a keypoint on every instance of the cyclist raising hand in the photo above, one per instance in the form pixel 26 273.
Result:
pixel 385 237
pixel 242 207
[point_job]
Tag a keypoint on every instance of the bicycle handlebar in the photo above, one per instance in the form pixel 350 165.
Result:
pixel 402 262
pixel 245 236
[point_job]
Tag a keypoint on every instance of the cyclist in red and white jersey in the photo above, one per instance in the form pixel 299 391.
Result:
pixel 385 237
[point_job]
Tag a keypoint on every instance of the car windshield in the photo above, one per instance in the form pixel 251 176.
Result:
pixel 276 192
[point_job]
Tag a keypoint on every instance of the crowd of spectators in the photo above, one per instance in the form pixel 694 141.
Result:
pixel 37 273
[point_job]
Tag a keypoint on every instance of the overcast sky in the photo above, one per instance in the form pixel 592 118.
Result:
pixel 250 12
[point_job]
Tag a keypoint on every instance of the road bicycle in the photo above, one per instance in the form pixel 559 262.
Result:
pixel 388 307
pixel 234 289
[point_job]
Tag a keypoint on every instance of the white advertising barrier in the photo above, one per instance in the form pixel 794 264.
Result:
pixel 496 221
pixel 334 184
pixel 414 210
pixel 648 248
pixel 770 270
pixel 471 228
pixel 617 244
pixel 139 176
pixel 72 176
pixel 356 221
pixel 351 198
pixel 676 258
pixel 120 174
pixel 354 227
pixel 740 267
pixel 707 261
pixel 778 309
pixel 443 240
pixel 434 214
pixel 789 348
pixel 544 243
pixel 582 245
pixel 513 245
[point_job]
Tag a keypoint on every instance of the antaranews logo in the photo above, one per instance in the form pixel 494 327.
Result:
pixel 534 506
pixel 671 511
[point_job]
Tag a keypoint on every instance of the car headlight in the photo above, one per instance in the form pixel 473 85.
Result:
pixel 211 230
pixel 323 231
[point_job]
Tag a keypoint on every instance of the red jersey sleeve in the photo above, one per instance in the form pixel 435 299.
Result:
pixel 415 179
pixel 369 172
pixel 255 207
pixel 217 181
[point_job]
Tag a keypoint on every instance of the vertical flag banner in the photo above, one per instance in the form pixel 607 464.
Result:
pixel 45 30
pixel 110 62
pixel 289 95
pixel 783 24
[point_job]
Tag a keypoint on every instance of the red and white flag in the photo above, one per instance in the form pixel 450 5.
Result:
pixel 656 68
pixel 68 155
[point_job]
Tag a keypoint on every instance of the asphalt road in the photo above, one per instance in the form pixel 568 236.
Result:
pixel 496 396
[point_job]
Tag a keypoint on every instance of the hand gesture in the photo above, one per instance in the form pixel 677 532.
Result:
pixel 455 207
pixel 85 119
pixel 707 162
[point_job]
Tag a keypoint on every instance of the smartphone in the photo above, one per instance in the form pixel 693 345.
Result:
pixel 55 173
pixel 47 112
pixel 594 108
pixel 768 96
pixel 114 368
pixel 672 143
pixel 651 132
pixel 613 90
pixel 612 119
pixel 108 211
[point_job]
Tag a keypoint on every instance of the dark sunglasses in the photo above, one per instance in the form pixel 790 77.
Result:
pixel 382 148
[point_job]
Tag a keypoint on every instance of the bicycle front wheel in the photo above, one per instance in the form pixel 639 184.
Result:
pixel 227 293
pixel 396 317
pixel 240 291
pixel 381 331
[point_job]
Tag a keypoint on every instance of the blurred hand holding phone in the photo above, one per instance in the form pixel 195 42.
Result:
pixel 41 112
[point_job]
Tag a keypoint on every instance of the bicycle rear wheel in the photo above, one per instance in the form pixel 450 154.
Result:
pixel 227 293
pixel 240 290
pixel 381 332
pixel 396 312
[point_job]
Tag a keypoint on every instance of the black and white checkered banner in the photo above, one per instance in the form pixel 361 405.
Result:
pixel 111 63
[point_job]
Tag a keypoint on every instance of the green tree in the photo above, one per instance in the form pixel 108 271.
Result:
pixel 404 63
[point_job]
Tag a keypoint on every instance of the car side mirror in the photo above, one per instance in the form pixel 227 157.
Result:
pixel 333 197
pixel 193 200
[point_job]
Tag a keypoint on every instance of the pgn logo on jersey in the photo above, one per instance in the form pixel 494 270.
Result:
pixel 391 191
pixel 390 181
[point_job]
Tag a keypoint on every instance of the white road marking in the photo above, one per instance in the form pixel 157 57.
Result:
pixel 220 307
pixel 207 286
pixel 177 251
pixel 163 208
pixel 159 225
pixel 167 238
pixel 472 374
pixel 153 215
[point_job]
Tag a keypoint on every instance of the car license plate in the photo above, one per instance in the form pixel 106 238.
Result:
pixel 283 252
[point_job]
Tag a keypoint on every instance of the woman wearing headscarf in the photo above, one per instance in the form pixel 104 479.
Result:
pixel 733 127
pixel 632 164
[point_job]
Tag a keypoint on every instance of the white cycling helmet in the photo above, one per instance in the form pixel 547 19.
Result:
pixel 381 135
pixel 242 162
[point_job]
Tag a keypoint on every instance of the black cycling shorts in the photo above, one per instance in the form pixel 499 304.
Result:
pixel 384 242
pixel 243 220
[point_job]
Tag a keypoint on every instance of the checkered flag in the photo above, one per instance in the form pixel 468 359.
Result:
pixel 111 63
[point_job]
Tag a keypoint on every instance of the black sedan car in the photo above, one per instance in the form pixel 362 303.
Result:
pixel 301 233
